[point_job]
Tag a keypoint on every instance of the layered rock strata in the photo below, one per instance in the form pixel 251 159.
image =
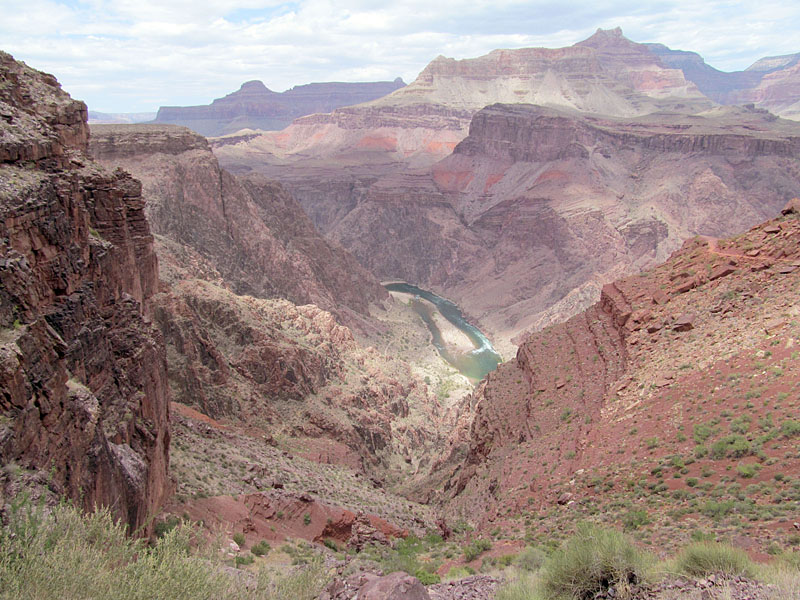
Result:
pixel 82 371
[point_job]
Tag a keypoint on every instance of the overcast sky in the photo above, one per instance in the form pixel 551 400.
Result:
pixel 136 55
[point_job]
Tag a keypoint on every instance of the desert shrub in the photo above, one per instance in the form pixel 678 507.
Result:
pixel 69 555
pixel 634 519
pixel 530 559
pixel 66 554
pixel 748 471
pixel 460 572
pixel 239 539
pixel 304 584
pixel 790 428
pixel 523 587
pixel 426 577
pixel 704 558
pixel 163 527
pixel 734 445
pixel 261 548
pixel 247 559
pixel 717 510
pixel 329 543
pixel 476 548
pixel 702 432
pixel 591 561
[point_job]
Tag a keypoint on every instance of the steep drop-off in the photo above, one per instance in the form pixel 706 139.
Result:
pixel 83 400
pixel 250 300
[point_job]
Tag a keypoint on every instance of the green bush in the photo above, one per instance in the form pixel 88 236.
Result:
pixel 427 578
pixel 329 543
pixel 790 428
pixel 163 527
pixel 525 587
pixel 716 510
pixel 239 539
pixel 460 572
pixel 735 446
pixel 591 561
pixel 702 432
pixel 476 548
pixel 748 471
pixel 261 548
pixel 635 519
pixel 704 558
pixel 530 559
pixel 247 559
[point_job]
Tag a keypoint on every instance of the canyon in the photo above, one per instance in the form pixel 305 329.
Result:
pixel 430 185
pixel 85 406
pixel 196 329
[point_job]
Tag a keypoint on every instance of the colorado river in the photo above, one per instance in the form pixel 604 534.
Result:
pixel 474 363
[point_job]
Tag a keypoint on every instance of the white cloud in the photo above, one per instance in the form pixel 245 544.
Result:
pixel 133 55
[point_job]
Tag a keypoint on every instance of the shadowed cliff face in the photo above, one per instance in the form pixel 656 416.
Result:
pixel 232 251
pixel 82 373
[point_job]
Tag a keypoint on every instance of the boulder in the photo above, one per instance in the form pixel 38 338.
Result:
pixel 684 323
pixel 395 586
pixel 792 207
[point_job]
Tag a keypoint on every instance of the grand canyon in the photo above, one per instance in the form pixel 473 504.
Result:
pixel 443 340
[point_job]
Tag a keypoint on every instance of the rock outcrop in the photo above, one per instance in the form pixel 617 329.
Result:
pixel 521 213
pixel 256 310
pixel 82 371
pixel 421 122
pixel 254 106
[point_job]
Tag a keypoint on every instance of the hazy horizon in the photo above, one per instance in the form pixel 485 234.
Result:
pixel 125 56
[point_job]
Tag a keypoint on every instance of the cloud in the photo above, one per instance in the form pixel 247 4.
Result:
pixel 134 55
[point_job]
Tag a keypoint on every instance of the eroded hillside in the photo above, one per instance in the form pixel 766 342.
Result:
pixel 672 401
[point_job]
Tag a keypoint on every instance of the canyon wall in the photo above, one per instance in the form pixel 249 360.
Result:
pixel 84 384
pixel 251 230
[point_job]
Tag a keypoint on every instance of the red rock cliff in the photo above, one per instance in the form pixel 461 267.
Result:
pixel 83 386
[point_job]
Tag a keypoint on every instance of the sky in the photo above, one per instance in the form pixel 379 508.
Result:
pixel 137 55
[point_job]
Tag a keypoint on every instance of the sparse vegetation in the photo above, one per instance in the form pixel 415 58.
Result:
pixel 477 547
pixel 70 555
pixel 704 558
pixel 591 561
